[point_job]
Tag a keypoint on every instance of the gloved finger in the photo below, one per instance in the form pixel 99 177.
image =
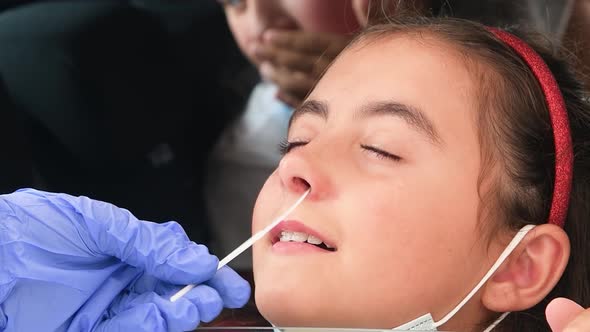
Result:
pixel 145 317
pixel 161 250
pixel 177 230
pixel 149 283
pixel 292 82
pixel 182 315
pixel 3 320
pixel 233 289
pixel 207 300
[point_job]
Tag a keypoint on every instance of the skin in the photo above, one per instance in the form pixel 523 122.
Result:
pixel 291 41
pixel 249 20
pixel 386 217
pixel 565 315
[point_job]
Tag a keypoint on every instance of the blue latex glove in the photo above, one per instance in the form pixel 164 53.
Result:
pixel 76 264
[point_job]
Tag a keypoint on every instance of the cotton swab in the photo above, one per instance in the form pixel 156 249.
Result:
pixel 246 244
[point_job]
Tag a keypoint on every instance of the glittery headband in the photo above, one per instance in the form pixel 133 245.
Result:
pixel 564 156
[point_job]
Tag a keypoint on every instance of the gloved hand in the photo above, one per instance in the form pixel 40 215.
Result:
pixel 76 264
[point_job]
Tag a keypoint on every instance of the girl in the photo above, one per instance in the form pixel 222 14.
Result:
pixel 427 145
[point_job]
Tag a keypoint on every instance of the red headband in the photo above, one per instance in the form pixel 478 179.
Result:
pixel 564 156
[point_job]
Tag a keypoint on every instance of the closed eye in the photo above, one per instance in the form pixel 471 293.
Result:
pixel 286 146
pixel 380 153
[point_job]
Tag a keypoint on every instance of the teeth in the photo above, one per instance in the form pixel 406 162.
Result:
pixel 293 236
pixel 299 237
pixel 314 240
pixel 287 236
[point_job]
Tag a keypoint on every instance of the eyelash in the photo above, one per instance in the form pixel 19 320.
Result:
pixel 286 147
pixel 380 153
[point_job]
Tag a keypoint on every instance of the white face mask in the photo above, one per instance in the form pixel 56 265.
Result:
pixel 427 323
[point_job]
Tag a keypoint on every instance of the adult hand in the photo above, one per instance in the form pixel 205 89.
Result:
pixel 76 264
pixel 295 59
pixel 566 315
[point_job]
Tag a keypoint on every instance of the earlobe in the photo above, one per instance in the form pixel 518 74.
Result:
pixel 531 272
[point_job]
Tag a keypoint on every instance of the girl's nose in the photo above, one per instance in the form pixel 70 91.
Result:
pixel 300 171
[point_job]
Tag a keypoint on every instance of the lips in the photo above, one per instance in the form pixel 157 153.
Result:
pixel 297 234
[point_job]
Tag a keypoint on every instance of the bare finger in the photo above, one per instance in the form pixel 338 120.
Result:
pixel 307 42
pixel 560 312
pixel 580 324
pixel 291 82
pixel 282 57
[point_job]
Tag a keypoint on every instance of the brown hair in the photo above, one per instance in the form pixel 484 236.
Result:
pixel 517 144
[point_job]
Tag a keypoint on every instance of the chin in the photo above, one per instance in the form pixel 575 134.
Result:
pixel 286 306
pixel 290 307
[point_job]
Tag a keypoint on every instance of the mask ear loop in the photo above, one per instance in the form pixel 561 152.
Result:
pixel 509 249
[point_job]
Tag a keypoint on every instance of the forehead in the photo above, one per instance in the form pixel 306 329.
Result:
pixel 415 70
pixel 400 66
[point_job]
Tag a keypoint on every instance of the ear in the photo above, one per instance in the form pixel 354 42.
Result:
pixel 530 272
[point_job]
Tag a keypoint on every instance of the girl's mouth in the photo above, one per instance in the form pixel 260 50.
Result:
pixel 300 237
pixel 298 234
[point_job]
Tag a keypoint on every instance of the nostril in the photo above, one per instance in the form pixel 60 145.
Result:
pixel 301 183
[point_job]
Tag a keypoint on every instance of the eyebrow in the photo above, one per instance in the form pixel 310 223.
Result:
pixel 314 107
pixel 412 115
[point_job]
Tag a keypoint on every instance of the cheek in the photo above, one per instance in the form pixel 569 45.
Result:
pixel 392 224
pixel 241 33
pixel 238 28
pixel 411 221
pixel 407 248
pixel 268 203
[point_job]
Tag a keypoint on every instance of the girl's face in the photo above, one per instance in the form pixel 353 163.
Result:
pixel 249 19
pixel 388 143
